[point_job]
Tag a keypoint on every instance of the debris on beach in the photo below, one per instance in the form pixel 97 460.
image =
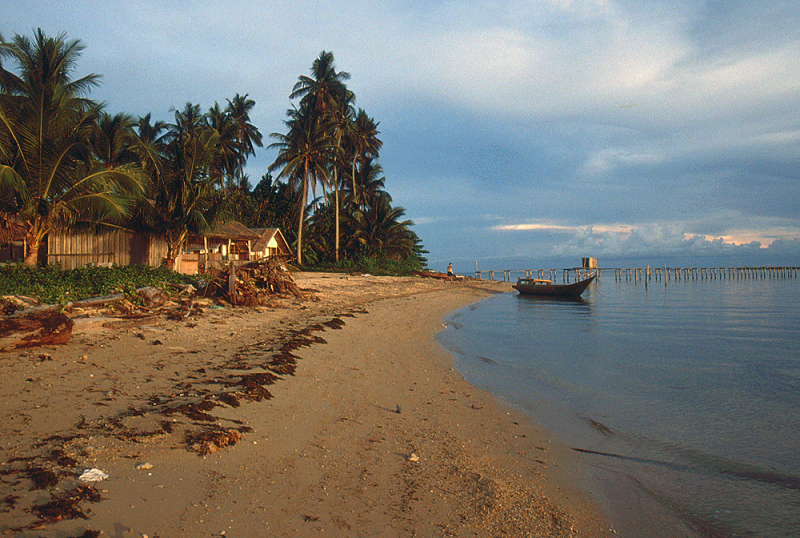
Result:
pixel 26 323
pixel 65 505
pixel 251 284
pixel 34 330
pixel 439 275
pixel 207 442
pixel 92 475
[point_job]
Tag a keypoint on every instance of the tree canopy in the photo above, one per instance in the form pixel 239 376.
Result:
pixel 65 162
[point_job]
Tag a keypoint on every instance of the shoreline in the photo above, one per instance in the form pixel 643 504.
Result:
pixel 325 450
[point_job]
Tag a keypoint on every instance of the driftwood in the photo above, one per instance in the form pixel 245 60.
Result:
pixel 251 284
pixel 430 274
pixel 437 275
pixel 86 303
pixel 35 329
pixel 99 301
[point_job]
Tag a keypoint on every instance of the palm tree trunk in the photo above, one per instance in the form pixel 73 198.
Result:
pixel 31 251
pixel 336 186
pixel 33 239
pixel 302 217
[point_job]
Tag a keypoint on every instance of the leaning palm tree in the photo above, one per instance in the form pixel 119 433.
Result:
pixel 304 154
pixel 49 180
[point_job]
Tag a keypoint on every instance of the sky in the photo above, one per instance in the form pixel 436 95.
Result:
pixel 528 133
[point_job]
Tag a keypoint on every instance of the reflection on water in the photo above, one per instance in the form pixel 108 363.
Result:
pixel 683 398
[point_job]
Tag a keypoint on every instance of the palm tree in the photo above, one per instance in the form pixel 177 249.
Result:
pixel 340 115
pixel 369 182
pixel 325 94
pixel 324 89
pixel 378 230
pixel 238 137
pixel 246 134
pixel 49 180
pixel 184 198
pixel 113 140
pixel 362 142
pixel 303 155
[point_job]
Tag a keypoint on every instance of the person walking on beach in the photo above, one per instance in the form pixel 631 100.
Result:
pixel 450 276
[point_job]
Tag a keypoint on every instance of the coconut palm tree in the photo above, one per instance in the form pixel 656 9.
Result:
pixel 324 88
pixel 378 230
pixel 304 154
pixel 49 180
pixel 246 134
pixel 325 94
pixel 369 182
pixel 184 197
pixel 114 141
pixel 362 142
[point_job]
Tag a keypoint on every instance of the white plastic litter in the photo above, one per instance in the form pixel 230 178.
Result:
pixel 92 475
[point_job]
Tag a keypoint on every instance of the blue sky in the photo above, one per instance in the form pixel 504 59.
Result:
pixel 515 132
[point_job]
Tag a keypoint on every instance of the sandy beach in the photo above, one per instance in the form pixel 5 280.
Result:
pixel 336 415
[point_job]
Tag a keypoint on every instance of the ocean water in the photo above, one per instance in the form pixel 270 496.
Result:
pixel 681 398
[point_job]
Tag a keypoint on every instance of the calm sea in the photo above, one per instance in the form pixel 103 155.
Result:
pixel 682 398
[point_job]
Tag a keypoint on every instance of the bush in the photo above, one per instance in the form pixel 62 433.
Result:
pixel 374 266
pixel 51 284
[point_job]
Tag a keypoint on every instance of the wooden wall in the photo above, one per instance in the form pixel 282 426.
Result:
pixel 117 248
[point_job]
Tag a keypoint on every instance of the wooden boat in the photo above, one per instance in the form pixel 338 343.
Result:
pixel 546 288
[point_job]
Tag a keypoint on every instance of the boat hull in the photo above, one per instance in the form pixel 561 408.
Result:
pixel 528 287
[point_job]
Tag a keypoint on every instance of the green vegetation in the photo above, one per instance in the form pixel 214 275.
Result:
pixel 65 164
pixel 51 284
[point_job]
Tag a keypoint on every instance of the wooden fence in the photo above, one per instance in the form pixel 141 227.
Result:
pixel 647 273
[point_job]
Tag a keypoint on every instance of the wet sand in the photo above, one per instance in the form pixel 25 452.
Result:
pixel 338 415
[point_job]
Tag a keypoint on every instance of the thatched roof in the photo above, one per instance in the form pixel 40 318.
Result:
pixel 11 230
pixel 234 231
pixel 266 235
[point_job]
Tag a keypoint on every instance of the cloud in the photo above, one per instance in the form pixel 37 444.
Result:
pixel 513 127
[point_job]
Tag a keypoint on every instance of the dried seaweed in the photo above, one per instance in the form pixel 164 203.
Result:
pixel 42 478
pixel 65 506
pixel 194 411
pixel 335 323
pixel 206 442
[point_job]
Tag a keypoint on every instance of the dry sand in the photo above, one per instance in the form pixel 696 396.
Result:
pixel 365 430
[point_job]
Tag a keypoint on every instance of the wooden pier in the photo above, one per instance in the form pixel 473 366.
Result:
pixel 645 273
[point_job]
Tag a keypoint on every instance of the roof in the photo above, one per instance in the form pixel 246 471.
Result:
pixel 233 230
pixel 266 235
pixel 11 230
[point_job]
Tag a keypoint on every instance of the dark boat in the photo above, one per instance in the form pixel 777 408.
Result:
pixel 546 288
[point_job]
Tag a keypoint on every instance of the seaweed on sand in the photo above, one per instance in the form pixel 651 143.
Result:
pixel 66 505
pixel 209 441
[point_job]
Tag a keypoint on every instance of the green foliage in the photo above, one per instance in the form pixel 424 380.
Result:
pixel 375 265
pixel 51 284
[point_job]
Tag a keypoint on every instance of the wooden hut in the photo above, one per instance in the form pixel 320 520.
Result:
pixel 231 241
pixel 120 247
pixel 12 240
pixel 271 243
